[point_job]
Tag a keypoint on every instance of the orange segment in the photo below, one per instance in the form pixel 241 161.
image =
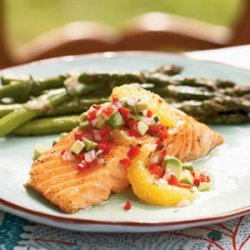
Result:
pixel 169 116
pixel 151 189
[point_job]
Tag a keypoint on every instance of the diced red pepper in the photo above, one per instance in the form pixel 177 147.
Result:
pixel 97 107
pixel 124 112
pixel 133 131
pixel 160 144
pixel 197 182
pixel 156 129
pixel 127 205
pixel 133 151
pixel 126 162
pixel 91 115
pixel 192 173
pixel 78 135
pixel 207 179
pixel 115 98
pixel 149 114
pixel 108 111
pixel 175 182
pixel 105 146
pixel 156 170
pixel 163 134
pixel 132 124
pixel 105 134
pixel 202 177
pixel 82 157
pixel 83 165
pixel 164 152
pixel 62 152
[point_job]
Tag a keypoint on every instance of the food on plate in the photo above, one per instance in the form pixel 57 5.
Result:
pixel 209 101
pixel 134 139
pixel 187 139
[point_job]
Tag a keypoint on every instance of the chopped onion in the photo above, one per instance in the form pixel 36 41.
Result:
pixel 99 112
pixel 97 136
pixel 67 156
pixel 114 107
pixel 90 156
pixel 118 104
pixel 154 159
pixel 93 122
pixel 99 152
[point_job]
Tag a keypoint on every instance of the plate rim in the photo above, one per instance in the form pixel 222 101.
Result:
pixel 27 211
pixel 112 54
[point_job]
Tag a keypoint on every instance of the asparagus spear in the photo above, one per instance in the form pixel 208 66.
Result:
pixel 214 106
pixel 14 86
pixel 74 106
pixel 45 126
pixel 38 106
pixel 198 88
pixel 8 108
pixel 188 93
pixel 22 115
pixel 30 86
pixel 225 118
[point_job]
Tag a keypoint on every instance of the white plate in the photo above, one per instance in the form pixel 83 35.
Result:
pixel 229 164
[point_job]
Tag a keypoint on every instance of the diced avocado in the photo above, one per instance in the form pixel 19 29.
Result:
pixel 133 109
pixel 142 128
pixel 116 120
pixel 39 150
pixel 156 118
pixel 84 125
pixel 133 118
pixel 140 106
pixel 101 121
pixel 188 166
pixel 77 147
pixel 173 164
pixel 99 152
pixel 89 145
pixel 187 178
pixel 83 117
pixel 204 186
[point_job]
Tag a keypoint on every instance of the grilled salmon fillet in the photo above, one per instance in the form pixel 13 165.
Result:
pixel 61 182
pixel 188 139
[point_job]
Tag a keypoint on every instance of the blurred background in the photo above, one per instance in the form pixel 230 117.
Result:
pixel 32 30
